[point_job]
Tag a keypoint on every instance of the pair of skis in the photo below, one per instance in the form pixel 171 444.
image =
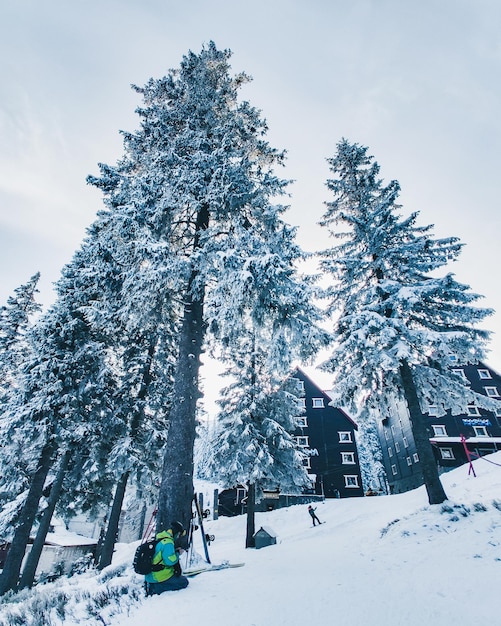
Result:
pixel 192 569
pixel 211 568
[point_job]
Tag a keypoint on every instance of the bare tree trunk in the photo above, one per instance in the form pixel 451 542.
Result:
pixel 176 489
pixel 110 538
pixel 421 433
pixel 251 516
pixel 30 567
pixel 12 567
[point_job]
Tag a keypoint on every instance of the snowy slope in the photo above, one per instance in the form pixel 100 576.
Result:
pixel 388 560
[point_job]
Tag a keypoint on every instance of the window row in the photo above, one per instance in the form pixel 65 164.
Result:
pixel 439 430
pixel 471 410
pixel 483 374
pixel 344 437
pixel 316 403
pixel 409 460
pixel 397 446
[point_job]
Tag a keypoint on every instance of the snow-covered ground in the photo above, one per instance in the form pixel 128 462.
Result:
pixel 391 560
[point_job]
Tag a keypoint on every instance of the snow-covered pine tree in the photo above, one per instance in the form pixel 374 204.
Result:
pixel 129 308
pixel 253 444
pixel 265 320
pixel 200 169
pixel 58 395
pixel 369 454
pixel 397 323
pixel 15 318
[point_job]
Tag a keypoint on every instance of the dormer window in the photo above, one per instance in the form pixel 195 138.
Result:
pixel 439 430
pixel 480 431
pixel 484 374
pixel 460 372
pixel 348 458
pixel 473 410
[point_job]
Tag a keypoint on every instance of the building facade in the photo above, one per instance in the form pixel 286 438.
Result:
pixel 455 438
pixel 327 435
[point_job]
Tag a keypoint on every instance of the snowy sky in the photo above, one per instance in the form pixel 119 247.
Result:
pixel 417 82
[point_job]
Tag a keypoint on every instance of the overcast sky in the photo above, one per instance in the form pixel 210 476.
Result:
pixel 419 83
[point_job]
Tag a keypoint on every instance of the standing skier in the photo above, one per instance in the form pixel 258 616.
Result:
pixel 314 517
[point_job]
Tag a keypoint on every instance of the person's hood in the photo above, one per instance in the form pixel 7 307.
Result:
pixel 165 534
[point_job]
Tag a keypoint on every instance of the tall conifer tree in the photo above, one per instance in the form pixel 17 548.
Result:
pixel 396 322
pixel 16 316
pixel 200 170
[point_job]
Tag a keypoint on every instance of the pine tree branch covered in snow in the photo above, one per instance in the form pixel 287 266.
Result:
pixel 396 321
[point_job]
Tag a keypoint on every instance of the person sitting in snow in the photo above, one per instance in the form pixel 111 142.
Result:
pixel 169 578
pixel 314 517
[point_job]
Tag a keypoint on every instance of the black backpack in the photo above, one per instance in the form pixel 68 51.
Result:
pixel 143 558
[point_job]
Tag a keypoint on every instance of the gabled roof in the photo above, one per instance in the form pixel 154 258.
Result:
pixel 326 395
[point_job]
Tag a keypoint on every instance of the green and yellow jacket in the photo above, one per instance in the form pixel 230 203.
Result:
pixel 166 555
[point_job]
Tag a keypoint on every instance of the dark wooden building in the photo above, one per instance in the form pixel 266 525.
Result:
pixel 455 438
pixel 327 435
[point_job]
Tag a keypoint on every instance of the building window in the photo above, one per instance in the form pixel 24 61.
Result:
pixel 439 430
pixel 300 385
pixel 397 447
pixel 461 373
pixel 394 470
pixel 386 434
pixel 484 374
pixel 492 392
pixel 447 454
pixel 351 482
pixel 415 457
pixel 302 442
pixel 307 462
pixel 348 458
pixel 406 443
pixel 433 410
pixel 473 410
pixel 409 460
pixel 480 431
pixel 390 451
pixel 301 402
pixel 452 358
pixel 301 421
pixel 345 437
pixel 318 403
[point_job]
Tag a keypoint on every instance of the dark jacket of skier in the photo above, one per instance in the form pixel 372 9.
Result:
pixel 314 517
